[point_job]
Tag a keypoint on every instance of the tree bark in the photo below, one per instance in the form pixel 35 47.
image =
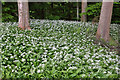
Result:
pixel 23 12
pixel 20 14
pixel 26 8
pixel 84 6
pixel 105 20
pixel 77 10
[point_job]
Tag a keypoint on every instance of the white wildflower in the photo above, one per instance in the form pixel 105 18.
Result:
pixel 38 71
pixel 23 60
pixel 72 67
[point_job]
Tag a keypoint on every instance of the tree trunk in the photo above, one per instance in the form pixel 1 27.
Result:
pixel 23 12
pixel 84 6
pixel 77 10
pixel 26 8
pixel 20 13
pixel 105 20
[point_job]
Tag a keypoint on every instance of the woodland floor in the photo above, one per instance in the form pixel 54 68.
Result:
pixel 56 49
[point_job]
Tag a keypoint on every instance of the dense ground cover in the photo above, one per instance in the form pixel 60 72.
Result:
pixel 56 49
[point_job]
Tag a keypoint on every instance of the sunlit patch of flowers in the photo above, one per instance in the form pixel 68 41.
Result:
pixel 55 49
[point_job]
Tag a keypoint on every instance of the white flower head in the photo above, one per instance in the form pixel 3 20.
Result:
pixel 38 71
pixel 23 60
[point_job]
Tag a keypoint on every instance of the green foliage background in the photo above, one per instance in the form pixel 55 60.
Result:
pixel 57 11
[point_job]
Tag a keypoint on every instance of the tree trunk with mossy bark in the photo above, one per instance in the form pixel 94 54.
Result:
pixel 105 20
pixel 23 11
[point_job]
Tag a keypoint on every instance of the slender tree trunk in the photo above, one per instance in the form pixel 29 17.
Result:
pixel 23 12
pixel 105 20
pixel 77 10
pixel 84 6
